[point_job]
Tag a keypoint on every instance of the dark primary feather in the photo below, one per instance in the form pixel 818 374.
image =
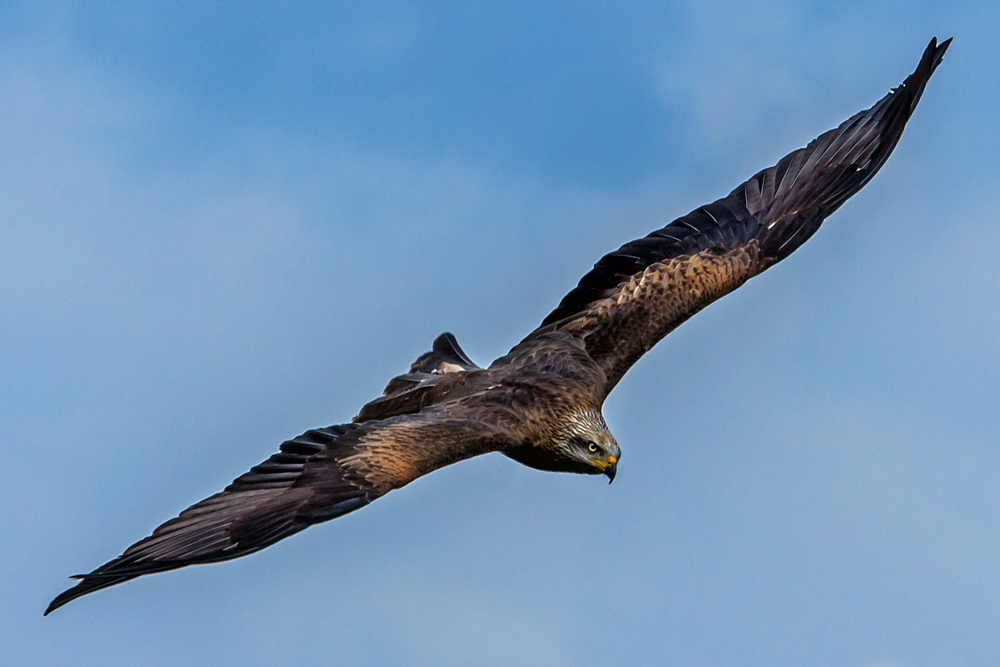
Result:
pixel 806 186
pixel 637 294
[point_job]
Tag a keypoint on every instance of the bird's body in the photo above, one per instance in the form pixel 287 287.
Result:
pixel 540 404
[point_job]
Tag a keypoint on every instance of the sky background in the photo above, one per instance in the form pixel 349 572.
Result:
pixel 223 225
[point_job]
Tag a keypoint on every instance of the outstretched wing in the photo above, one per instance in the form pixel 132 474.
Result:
pixel 636 295
pixel 318 476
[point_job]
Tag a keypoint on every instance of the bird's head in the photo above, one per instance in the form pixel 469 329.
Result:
pixel 587 444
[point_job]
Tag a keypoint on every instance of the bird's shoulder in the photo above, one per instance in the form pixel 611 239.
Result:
pixel 554 359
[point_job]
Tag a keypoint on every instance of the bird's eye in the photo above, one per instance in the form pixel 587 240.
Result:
pixel 592 448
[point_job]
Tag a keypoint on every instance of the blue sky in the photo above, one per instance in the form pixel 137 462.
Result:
pixel 220 227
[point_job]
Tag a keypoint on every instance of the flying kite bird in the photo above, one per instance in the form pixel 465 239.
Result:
pixel 540 404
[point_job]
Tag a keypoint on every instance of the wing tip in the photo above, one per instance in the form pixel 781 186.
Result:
pixel 935 51
pixel 929 61
pixel 56 603
pixel 85 586
pixel 931 58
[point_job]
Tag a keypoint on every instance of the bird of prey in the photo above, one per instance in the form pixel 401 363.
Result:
pixel 540 404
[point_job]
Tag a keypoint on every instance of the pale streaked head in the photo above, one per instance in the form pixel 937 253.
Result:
pixel 588 444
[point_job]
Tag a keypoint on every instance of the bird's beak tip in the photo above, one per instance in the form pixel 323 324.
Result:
pixel 611 471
